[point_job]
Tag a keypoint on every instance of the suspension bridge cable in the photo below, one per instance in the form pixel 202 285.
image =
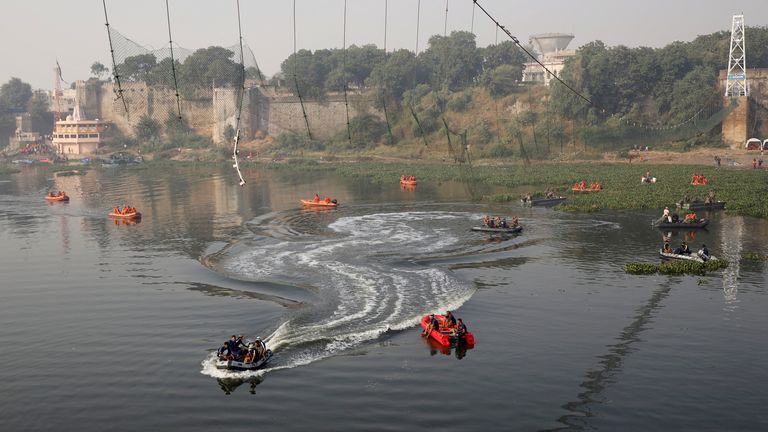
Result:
pixel 517 42
pixel 410 105
pixel 296 76
pixel 173 63
pixel 384 89
pixel 445 25
pixel 418 124
pixel 418 21
pixel 119 91
pixel 472 25
pixel 344 73
pixel 386 8
pixel 241 96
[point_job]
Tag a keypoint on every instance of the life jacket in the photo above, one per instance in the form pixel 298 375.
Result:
pixel 462 329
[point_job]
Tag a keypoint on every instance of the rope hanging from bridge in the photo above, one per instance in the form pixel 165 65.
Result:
pixel 296 76
pixel 445 25
pixel 240 97
pixel 173 62
pixel 472 25
pixel 119 91
pixel 418 22
pixel 344 73
pixel 410 105
pixel 383 92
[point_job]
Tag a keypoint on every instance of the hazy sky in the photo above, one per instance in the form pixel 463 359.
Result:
pixel 35 33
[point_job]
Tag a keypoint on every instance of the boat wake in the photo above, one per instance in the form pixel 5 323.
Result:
pixel 364 273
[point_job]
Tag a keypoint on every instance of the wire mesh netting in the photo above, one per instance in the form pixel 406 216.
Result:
pixel 627 133
pixel 208 80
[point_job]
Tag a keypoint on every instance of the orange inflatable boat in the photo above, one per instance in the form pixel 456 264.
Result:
pixel 321 203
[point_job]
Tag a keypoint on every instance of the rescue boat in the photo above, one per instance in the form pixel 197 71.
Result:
pixel 239 365
pixel 444 337
pixel 57 198
pixel 133 215
pixel 319 203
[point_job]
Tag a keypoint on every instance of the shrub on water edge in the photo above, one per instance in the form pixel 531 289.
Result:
pixel 675 267
pixel 754 256
pixel 641 268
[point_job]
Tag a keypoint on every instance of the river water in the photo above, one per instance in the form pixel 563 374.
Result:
pixel 109 325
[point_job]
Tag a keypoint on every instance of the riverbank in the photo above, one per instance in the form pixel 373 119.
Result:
pixel 744 190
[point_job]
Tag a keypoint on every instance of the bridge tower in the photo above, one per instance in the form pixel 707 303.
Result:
pixel 736 81
pixel 736 123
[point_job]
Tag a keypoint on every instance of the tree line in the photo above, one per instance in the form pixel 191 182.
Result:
pixel 651 85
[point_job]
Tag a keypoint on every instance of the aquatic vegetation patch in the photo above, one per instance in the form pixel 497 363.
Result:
pixel 673 268
pixel 8 169
pixel 743 190
pixel 754 256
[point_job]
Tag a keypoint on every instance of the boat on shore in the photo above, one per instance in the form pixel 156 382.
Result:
pixel 701 223
pixel 543 201
pixel 692 257
pixel 719 205
pixel 509 230
pixel 444 337
pixel 241 365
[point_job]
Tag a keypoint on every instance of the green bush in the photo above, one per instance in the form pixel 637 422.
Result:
pixel 290 142
pixel 460 102
pixel 500 151
pixel 754 256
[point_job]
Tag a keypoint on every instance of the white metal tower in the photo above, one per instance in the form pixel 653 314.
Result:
pixel 736 81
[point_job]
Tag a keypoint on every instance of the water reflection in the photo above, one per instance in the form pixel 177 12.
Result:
pixel 610 364
pixel 731 236
pixel 229 385
pixel 460 350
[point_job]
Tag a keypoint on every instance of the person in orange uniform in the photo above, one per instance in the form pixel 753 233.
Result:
pixel 317 198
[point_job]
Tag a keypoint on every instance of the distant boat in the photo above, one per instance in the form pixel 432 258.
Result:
pixel 719 205
pixel 543 201
pixel 691 257
pixel 510 230
pixel 702 223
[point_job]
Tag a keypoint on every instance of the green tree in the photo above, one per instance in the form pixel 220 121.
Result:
pixel 98 70
pixel 14 95
pixel 208 66
pixel 367 130
pixel 42 118
pixel 311 72
pixel 505 53
pixel 137 68
pixel 400 72
pixel 456 58
pixel 147 129
pixel 501 81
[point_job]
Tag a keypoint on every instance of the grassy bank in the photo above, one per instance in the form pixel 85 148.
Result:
pixel 743 189
pixel 8 169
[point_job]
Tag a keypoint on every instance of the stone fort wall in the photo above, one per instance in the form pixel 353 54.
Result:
pixel 265 112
